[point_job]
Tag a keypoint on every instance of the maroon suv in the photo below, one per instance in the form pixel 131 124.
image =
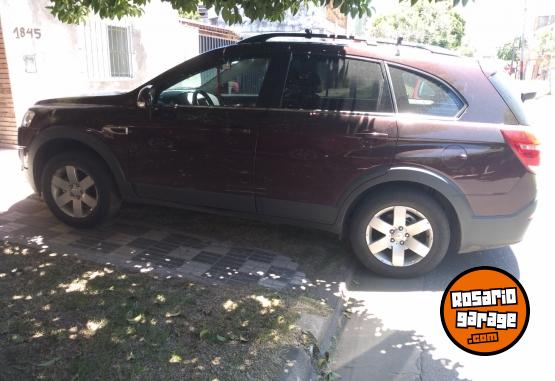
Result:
pixel 408 151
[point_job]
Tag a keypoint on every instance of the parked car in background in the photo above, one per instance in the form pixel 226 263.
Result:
pixel 407 151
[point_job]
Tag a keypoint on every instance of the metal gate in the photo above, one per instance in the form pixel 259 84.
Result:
pixel 212 37
pixel 206 43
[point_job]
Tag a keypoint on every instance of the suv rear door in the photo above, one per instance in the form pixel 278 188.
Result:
pixel 333 127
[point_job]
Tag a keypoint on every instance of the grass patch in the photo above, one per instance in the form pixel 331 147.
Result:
pixel 63 318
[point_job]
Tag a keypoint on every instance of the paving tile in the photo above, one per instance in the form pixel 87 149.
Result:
pixel 298 280
pixel 105 247
pixel 162 260
pixel 165 247
pixel 28 206
pixel 64 239
pixel 232 262
pixel 262 256
pixel 36 221
pixel 10 227
pixel 186 240
pixel 185 253
pixel 240 252
pixel 125 252
pixel 218 249
pixel 272 283
pixel 156 235
pixel 97 234
pixel 127 228
pixel 243 278
pixel 45 212
pixel 85 242
pixel 121 238
pixel 11 216
pixel 33 231
pixel 207 257
pixel 290 265
pixel 254 267
pixel 141 243
pixel 61 228
pixel 217 275
pixel 221 272
pixel 194 268
pixel 281 272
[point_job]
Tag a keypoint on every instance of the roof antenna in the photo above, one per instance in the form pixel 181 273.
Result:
pixel 399 43
pixel 308 33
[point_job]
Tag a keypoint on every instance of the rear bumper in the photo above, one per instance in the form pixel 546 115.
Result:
pixel 480 233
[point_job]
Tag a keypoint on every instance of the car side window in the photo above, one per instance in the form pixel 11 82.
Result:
pixel 235 84
pixel 418 94
pixel 336 84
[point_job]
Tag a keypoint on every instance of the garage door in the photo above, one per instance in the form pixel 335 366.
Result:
pixel 8 131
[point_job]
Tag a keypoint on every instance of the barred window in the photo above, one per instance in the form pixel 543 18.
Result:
pixel 120 52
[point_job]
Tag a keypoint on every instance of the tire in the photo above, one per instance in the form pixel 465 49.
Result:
pixel 88 205
pixel 369 243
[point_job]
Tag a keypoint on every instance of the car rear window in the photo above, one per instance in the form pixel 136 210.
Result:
pixel 419 94
pixel 506 88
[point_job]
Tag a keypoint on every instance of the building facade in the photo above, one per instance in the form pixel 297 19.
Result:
pixel 40 57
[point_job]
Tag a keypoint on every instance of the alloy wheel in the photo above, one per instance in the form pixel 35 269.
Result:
pixel 399 236
pixel 74 191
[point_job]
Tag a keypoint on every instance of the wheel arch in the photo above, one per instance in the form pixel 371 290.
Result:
pixel 442 190
pixel 60 139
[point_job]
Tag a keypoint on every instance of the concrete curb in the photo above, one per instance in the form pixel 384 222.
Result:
pixel 300 365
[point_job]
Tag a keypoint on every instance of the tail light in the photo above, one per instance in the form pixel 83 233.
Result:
pixel 525 145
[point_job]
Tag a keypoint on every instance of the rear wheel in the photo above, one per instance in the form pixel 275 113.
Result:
pixel 78 189
pixel 400 234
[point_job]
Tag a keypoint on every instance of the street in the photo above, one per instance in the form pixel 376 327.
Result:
pixel 395 331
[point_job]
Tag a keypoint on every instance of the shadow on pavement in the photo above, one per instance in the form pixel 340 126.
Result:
pixel 438 279
pixel 389 354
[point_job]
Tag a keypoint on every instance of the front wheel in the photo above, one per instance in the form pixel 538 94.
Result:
pixel 400 234
pixel 78 189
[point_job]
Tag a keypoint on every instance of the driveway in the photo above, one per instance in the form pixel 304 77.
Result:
pixel 175 243
pixel 395 331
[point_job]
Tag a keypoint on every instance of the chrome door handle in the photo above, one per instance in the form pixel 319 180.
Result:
pixel 235 131
pixel 376 134
pixel 115 130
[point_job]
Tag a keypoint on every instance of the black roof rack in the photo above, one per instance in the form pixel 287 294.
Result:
pixel 307 34
pixel 430 48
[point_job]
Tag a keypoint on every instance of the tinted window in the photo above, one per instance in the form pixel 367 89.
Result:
pixel 512 97
pixel 418 94
pixel 235 83
pixel 324 83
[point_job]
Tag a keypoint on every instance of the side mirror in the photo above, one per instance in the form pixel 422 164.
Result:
pixel 527 96
pixel 145 98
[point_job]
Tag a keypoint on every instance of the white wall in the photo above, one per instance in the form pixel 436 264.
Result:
pixel 159 42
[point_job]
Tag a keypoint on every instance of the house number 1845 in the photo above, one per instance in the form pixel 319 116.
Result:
pixel 22 32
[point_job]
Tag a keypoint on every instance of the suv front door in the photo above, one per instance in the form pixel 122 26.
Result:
pixel 197 147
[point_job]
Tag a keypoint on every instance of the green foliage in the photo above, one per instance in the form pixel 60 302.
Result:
pixel 466 50
pixel 74 12
pixel 506 51
pixel 545 43
pixel 190 15
pixel 424 22
pixel 70 11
